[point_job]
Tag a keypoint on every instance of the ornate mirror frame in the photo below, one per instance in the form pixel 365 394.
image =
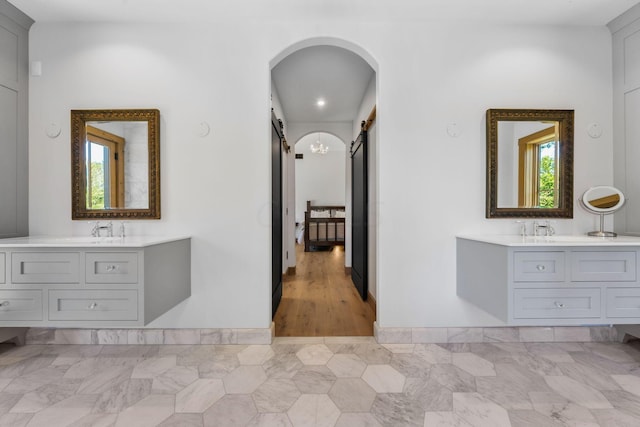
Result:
pixel 565 163
pixel 79 119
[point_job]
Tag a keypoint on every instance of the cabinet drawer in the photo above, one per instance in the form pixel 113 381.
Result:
pixel 603 266
pixel 21 305
pixel 45 267
pixel 623 302
pixel 556 303
pixel 116 267
pixel 2 267
pixel 93 305
pixel 538 266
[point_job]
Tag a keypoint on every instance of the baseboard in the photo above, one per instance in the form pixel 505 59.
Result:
pixel 494 334
pixel 372 303
pixel 266 335
pixel 150 336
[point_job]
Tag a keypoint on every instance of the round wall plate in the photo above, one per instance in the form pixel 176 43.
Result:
pixel 453 130
pixel 594 130
pixel 203 129
pixel 53 130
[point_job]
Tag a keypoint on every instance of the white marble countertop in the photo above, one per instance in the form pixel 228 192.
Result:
pixel 87 241
pixel 560 240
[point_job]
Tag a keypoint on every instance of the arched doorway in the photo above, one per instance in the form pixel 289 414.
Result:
pixel 319 177
pixel 323 69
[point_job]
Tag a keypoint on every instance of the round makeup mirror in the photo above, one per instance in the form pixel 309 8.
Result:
pixel 602 200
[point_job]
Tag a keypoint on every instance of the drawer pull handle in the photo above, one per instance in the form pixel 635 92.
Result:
pixel 112 267
pixel 4 304
pixel 559 304
pixel 541 267
pixel 93 306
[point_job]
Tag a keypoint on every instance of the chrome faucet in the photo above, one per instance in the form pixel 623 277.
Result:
pixel 546 227
pixel 95 231
pixel 122 229
pixel 523 228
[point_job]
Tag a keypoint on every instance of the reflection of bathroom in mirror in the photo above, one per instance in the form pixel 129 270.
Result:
pixel 528 158
pixel 116 171
pixel 602 200
pixel 529 163
pixel 117 165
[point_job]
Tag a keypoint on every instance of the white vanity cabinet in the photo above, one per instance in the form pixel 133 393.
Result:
pixel 73 283
pixel 529 281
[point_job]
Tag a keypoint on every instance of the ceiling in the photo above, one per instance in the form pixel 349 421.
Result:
pixel 556 12
pixel 334 143
pixel 335 74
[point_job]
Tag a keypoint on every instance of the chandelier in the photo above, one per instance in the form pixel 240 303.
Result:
pixel 318 147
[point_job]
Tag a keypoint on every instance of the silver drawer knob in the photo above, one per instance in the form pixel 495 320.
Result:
pixel 112 267
pixel 93 306
pixel 559 304
pixel 541 267
pixel 4 304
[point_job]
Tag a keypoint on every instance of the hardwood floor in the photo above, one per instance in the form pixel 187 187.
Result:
pixel 320 299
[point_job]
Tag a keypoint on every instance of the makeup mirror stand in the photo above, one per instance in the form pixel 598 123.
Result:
pixel 601 232
pixel 602 200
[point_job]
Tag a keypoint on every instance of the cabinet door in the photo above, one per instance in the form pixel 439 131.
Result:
pixel 538 266
pixel 556 303
pixel 623 302
pixel 3 258
pixel 608 266
pixel 626 110
pixel 14 178
pixel 45 267
pixel 111 267
pixel 93 305
pixel 21 305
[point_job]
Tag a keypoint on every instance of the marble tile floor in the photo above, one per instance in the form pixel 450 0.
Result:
pixel 346 382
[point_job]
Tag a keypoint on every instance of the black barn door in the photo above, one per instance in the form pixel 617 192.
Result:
pixel 360 215
pixel 276 213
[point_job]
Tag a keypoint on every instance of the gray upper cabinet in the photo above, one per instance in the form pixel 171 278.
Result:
pixel 14 83
pixel 626 110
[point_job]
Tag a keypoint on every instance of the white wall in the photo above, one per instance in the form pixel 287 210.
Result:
pixel 319 178
pixel 216 188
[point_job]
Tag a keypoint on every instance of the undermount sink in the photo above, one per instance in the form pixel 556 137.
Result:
pixel 75 239
pixel 556 240
pixel 566 239
pixel 87 241
pixel 90 239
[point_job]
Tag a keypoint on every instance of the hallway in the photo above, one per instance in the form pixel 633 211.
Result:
pixel 320 299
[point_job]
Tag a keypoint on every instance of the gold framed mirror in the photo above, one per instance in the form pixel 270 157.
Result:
pixel 115 164
pixel 529 163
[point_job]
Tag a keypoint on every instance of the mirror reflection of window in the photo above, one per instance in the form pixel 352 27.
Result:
pixel 105 175
pixel 97 168
pixel 538 154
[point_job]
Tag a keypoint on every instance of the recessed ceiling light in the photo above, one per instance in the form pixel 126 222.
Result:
pixel 320 102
